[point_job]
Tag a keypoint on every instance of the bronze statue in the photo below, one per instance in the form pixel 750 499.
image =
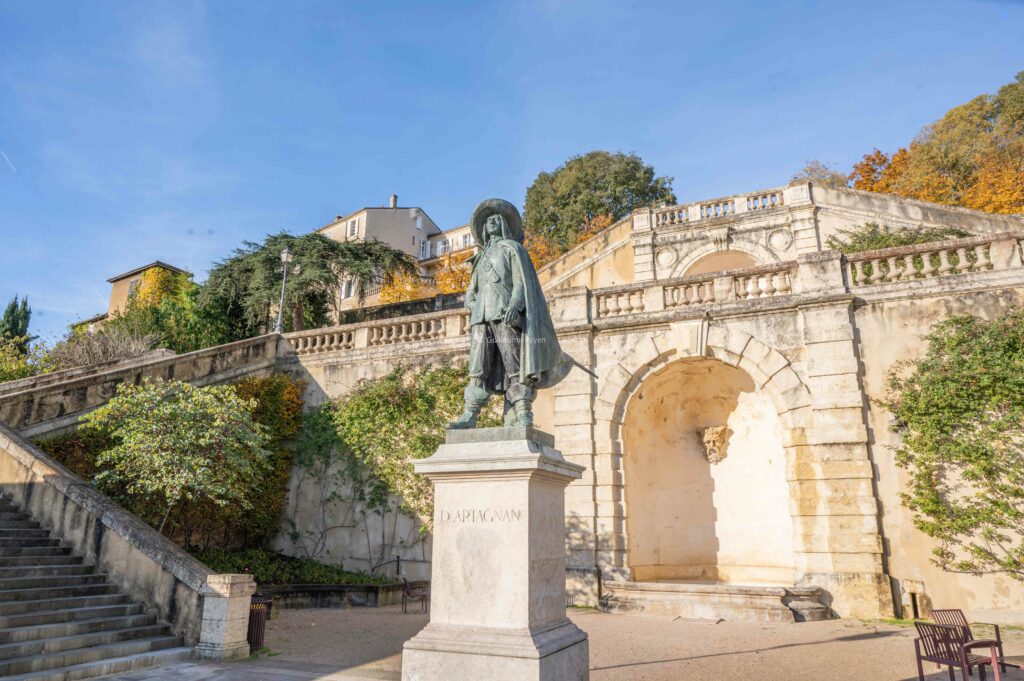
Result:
pixel 513 347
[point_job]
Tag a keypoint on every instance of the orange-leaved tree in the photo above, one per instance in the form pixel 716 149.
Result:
pixel 406 286
pixel 453 272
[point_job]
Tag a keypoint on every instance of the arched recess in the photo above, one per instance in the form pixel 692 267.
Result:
pixel 721 260
pixel 768 372
pixel 761 255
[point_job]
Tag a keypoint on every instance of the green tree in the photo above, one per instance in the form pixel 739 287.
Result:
pixel 962 410
pixel 14 323
pixel 175 443
pixel 822 173
pixel 562 203
pixel 244 290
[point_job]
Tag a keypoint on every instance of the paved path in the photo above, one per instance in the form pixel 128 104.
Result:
pixel 366 644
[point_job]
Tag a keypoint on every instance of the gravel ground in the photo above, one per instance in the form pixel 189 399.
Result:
pixel 634 647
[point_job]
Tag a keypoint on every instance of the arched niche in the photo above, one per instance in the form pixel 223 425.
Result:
pixel 691 516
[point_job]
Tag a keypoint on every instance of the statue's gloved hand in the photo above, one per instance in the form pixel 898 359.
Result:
pixel 512 316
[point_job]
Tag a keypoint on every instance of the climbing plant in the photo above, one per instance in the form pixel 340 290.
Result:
pixel 358 451
pixel 872 236
pixel 961 407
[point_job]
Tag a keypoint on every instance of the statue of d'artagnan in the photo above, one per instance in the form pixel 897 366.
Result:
pixel 513 348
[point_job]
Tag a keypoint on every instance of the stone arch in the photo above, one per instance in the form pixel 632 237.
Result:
pixel 770 371
pixel 762 254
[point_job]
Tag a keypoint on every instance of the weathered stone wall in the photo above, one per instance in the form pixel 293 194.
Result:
pixel 890 331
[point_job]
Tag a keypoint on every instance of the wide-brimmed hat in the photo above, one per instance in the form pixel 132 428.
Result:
pixel 503 208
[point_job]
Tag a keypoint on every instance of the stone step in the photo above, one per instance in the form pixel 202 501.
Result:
pixel 18 607
pixel 14 515
pixel 45 571
pixel 41 631
pixel 98 661
pixel 22 524
pixel 23 533
pixel 707 600
pixel 806 610
pixel 49 550
pixel 75 641
pixel 16 561
pixel 50 581
pixel 68 615
pixel 21 542
pixel 53 592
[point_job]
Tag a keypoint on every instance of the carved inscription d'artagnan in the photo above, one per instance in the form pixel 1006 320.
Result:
pixel 481 515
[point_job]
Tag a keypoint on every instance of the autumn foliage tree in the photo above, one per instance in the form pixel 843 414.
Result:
pixel 453 272
pixel 972 157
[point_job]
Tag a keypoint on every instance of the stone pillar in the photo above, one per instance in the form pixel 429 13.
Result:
pixel 835 506
pixel 498 570
pixel 225 623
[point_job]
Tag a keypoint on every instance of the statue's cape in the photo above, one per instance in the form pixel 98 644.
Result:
pixel 542 363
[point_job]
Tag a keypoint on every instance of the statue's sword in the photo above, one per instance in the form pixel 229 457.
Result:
pixel 580 366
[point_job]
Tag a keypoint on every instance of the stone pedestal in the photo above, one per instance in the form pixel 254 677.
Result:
pixel 498 567
pixel 226 601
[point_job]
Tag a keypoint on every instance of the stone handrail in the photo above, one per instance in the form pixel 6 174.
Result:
pixel 935 259
pixel 766 281
pixel 209 611
pixel 717 208
pixel 54 406
pixel 379 333
pixel 34 382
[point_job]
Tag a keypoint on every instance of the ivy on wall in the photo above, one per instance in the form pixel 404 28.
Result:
pixel 872 236
pixel 961 408
pixel 359 451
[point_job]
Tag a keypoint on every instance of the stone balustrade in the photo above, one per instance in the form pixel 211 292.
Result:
pixel 750 283
pixel 718 208
pixel 698 292
pixel 48 407
pixel 380 333
pixel 936 259
pixel 764 200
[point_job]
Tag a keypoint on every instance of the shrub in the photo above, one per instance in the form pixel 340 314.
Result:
pixel 872 236
pixel 269 568
pixel 105 345
pixel 275 403
pixel 175 443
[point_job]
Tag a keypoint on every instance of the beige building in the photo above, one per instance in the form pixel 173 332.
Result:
pixel 122 287
pixel 408 229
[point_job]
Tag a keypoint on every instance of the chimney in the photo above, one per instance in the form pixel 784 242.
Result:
pixel 394 200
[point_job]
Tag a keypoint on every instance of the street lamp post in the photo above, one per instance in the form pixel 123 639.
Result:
pixel 286 258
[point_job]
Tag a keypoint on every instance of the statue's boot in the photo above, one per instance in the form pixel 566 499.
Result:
pixel 476 397
pixel 524 413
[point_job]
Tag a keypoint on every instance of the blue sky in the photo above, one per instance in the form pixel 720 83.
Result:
pixel 134 131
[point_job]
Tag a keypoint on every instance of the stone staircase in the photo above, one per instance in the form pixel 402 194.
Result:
pixel 61 620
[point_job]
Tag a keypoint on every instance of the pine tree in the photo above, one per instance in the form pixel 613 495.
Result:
pixel 14 323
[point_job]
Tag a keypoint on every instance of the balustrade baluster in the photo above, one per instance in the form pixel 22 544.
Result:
pixel 945 267
pixel 894 272
pixel 602 306
pixel 984 262
pixel 785 285
pixel 876 270
pixel 962 264
pixel 767 284
pixel 927 268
